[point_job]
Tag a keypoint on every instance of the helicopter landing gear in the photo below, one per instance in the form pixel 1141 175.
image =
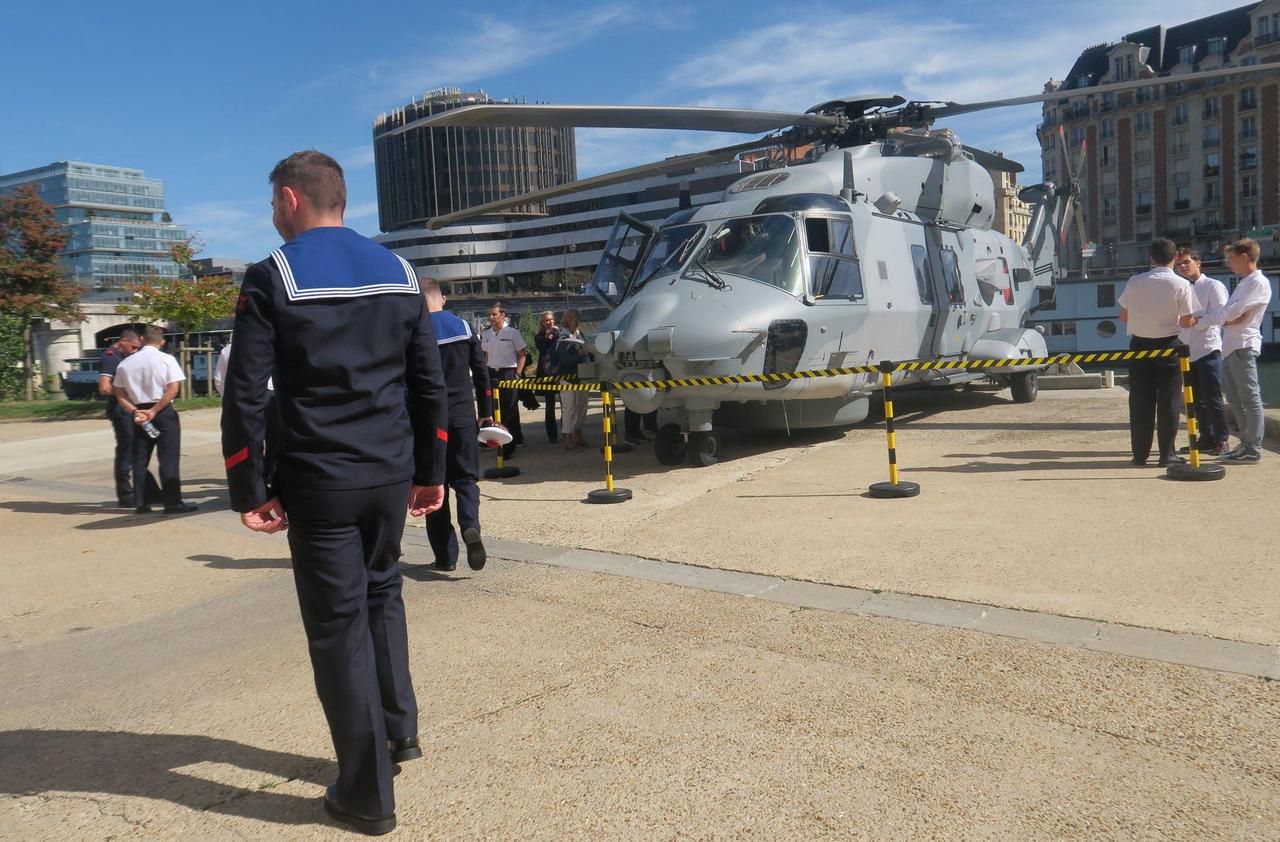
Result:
pixel 1025 387
pixel 704 449
pixel 669 445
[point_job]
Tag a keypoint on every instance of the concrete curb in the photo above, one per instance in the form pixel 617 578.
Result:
pixel 1201 651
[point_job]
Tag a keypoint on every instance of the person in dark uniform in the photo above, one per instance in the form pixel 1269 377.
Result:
pixel 545 341
pixel 1151 305
pixel 467 380
pixel 121 422
pixel 342 319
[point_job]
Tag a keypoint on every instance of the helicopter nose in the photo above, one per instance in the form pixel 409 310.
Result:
pixel 685 323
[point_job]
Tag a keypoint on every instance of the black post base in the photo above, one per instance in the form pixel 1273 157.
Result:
pixel 604 495
pixel 505 472
pixel 1204 473
pixel 887 490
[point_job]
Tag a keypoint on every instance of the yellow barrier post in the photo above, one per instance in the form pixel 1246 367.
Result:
pixel 1192 470
pixel 894 487
pixel 608 494
pixel 503 471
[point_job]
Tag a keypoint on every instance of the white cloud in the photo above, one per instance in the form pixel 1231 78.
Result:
pixel 358 158
pixel 361 210
pixel 230 228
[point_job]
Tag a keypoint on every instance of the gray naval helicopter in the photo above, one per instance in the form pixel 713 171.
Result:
pixel 879 249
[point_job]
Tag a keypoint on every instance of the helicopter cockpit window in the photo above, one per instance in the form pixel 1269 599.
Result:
pixel 763 248
pixel 833 265
pixel 671 250
pixel 951 274
pixel 924 275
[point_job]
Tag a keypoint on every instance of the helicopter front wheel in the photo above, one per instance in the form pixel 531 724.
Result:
pixel 669 445
pixel 704 449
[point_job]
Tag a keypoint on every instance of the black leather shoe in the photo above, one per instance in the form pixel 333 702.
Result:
pixel 368 825
pixel 180 509
pixel 405 749
pixel 446 566
pixel 476 556
pixel 1172 460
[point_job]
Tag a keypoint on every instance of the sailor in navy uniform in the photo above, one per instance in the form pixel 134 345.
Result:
pixel 467 379
pixel 342 320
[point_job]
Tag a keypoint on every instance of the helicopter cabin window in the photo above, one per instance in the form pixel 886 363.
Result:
pixel 763 248
pixel 924 274
pixel 833 263
pixel 671 250
pixel 951 274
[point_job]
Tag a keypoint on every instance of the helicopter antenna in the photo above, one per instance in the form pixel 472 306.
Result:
pixel 847 192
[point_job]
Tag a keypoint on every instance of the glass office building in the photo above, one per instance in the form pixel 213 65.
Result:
pixel 115 220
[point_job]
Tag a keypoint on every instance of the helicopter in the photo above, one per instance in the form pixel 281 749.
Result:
pixel 878 248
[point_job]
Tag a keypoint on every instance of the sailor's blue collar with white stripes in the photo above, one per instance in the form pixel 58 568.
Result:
pixel 336 262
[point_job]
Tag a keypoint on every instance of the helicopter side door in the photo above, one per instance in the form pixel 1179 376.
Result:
pixel 627 246
pixel 954 322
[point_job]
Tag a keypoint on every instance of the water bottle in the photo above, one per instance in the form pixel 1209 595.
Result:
pixel 151 430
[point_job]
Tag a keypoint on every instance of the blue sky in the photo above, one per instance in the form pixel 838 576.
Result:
pixel 209 100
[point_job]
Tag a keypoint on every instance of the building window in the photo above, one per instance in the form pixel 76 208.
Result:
pixel 1248 128
pixel 1062 328
pixel 1077 136
pixel 1249 187
pixel 1180 114
pixel 1182 197
pixel 1108 207
pixel 1108 101
pixel 1180 144
pixel 1217 45
pixel 1044 300
pixel 1142 121
pixel 1212 220
pixel 1248 157
pixel 1211 194
pixel 1212 164
pixel 1187 54
pixel 1106 295
pixel 1248 99
pixel 1144 202
pixel 1212 136
pixel 1106 328
pixel 1212 107
pixel 1122 68
pixel 1108 129
pixel 1249 217
pixel 1144 94
pixel 1106 157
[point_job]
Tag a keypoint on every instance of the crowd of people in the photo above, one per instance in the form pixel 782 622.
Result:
pixel 1174 303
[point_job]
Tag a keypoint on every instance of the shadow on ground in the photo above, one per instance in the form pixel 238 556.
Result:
pixel 222 562
pixel 153 766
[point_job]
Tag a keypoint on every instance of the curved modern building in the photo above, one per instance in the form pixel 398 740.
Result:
pixel 425 172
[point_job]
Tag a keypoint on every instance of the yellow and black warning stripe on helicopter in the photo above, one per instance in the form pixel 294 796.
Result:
pixel 1015 362
pixel 547 384
pixel 732 379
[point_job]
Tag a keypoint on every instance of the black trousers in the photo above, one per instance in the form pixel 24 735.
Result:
pixel 462 469
pixel 1211 409
pixel 553 428
pixel 169 445
pixel 509 404
pixel 1155 396
pixel 122 425
pixel 346 566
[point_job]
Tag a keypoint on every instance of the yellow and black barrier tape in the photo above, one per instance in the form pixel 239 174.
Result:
pixel 551 384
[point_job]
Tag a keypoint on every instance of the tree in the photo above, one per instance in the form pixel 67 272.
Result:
pixel 189 304
pixel 33 284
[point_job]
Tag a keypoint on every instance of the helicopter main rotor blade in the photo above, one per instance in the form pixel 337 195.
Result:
pixel 739 120
pixel 1065 227
pixel 953 109
pixel 675 164
pixel 1066 155
pixel 994 162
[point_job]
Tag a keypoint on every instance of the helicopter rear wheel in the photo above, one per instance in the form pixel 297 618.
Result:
pixel 669 445
pixel 704 449
pixel 1025 387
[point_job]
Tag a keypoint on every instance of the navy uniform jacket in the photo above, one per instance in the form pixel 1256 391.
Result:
pixel 343 321
pixel 108 362
pixel 465 372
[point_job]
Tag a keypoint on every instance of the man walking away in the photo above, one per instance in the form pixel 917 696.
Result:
pixel 1151 305
pixel 1205 343
pixel 343 318
pixel 121 422
pixel 467 380
pixel 1241 318
pixel 146 385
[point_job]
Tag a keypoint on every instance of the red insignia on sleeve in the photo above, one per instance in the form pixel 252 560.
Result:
pixel 241 303
pixel 443 435
pixel 237 457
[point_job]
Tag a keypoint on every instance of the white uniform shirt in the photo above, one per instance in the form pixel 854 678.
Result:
pixel 146 373
pixel 502 349
pixel 220 370
pixel 1253 292
pixel 1154 300
pixel 1205 338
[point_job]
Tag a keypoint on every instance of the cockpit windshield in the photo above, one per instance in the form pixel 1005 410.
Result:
pixel 671 249
pixel 764 248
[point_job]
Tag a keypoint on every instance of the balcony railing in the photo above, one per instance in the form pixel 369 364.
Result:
pixel 1108 213
pixel 1212 201
pixel 1181 178
pixel 1248 104
pixel 1107 163
pixel 1143 210
pixel 1181 148
pixel 1248 134
pixel 1210 170
pixel 1181 204
pixel 1143 183
pixel 1248 162
pixel 1210 143
pixel 1142 156
pixel 1266 38
pixel 1108 188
